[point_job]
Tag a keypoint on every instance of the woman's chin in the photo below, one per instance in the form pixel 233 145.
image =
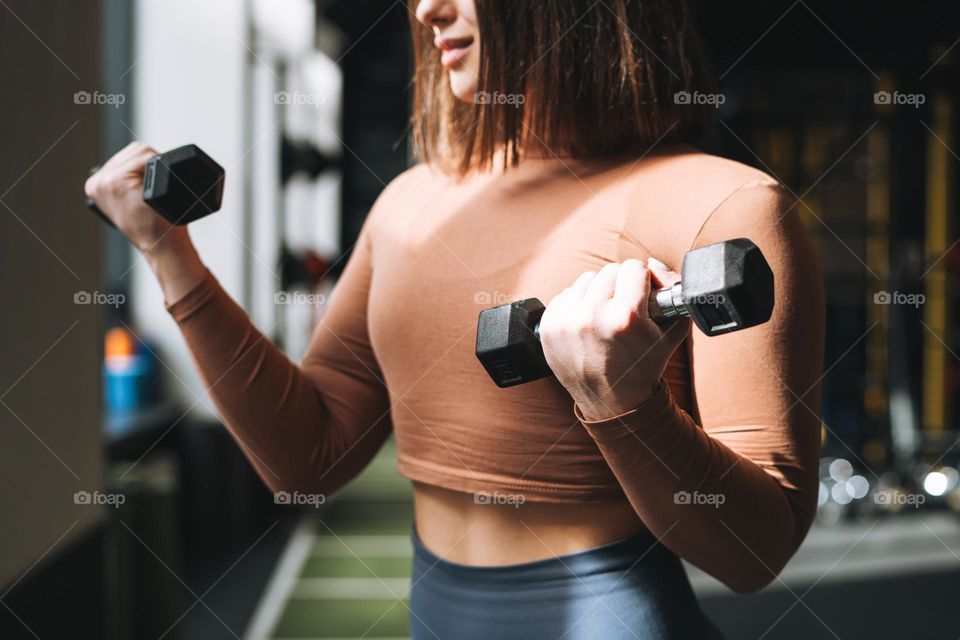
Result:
pixel 464 89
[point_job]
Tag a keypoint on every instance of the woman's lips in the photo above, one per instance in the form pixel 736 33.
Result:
pixel 453 57
pixel 454 50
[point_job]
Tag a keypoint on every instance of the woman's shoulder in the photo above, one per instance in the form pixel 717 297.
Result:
pixel 411 179
pixel 690 191
pixel 684 173
pixel 406 188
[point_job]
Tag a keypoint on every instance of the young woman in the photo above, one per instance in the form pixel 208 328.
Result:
pixel 552 168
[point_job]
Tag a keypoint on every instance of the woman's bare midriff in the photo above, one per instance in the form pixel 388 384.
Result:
pixel 455 527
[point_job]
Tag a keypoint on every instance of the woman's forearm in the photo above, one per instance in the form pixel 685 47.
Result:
pixel 712 506
pixel 307 428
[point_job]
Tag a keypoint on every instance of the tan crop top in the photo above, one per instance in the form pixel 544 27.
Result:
pixel 395 348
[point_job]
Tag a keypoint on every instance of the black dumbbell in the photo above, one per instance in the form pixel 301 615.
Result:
pixel 182 185
pixel 724 287
pixel 300 157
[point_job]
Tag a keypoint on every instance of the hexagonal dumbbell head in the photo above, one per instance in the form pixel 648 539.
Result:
pixel 183 184
pixel 727 286
pixel 508 345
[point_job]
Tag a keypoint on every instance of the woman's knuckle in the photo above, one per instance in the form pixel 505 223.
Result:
pixel 617 321
pixel 90 187
pixel 623 323
pixel 113 186
pixel 585 321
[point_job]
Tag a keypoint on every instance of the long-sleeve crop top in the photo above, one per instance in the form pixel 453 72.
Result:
pixel 727 448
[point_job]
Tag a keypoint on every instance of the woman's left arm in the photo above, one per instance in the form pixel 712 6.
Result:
pixel 733 491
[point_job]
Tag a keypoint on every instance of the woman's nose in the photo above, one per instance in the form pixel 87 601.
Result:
pixel 436 13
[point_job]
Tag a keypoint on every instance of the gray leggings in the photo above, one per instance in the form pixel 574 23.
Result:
pixel 631 589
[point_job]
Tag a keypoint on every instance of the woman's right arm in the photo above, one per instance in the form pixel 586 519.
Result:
pixel 311 427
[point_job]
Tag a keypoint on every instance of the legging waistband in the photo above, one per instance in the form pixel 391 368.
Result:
pixel 629 589
pixel 611 557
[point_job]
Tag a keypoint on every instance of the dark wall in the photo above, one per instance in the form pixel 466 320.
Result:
pixel 50 347
pixel 376 76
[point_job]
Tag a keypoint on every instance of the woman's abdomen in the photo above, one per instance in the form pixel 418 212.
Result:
pixel 491 529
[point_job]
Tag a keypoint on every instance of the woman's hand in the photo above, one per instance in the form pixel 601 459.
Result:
pixel 600 342
pixel 117 189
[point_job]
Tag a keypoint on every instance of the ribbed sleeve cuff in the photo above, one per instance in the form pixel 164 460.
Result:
pixel 650 416
pixel 195 299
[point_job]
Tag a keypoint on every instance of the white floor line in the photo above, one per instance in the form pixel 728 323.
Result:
pixel 283 580
pixel 326 638
pixel 350 588
pixel 375 546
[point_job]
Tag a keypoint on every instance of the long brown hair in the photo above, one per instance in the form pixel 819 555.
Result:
pixel 596 78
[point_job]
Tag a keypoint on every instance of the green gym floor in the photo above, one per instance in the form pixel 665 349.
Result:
pixel 346 570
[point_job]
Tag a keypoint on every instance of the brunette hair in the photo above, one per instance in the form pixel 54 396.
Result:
pixel 598 78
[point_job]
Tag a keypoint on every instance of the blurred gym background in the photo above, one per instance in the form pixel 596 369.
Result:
pixel 128 512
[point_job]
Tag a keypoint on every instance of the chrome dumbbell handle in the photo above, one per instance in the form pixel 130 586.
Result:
pixel 667 303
